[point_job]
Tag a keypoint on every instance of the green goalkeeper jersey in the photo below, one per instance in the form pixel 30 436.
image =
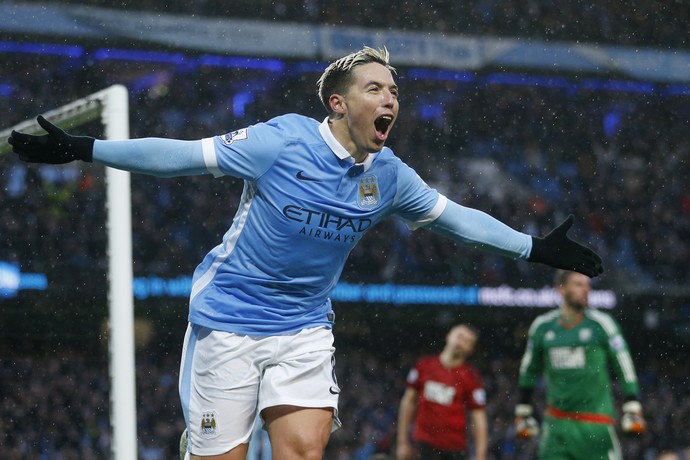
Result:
pixel 577 362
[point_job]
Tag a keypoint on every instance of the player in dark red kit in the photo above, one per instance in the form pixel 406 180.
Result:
pixel 441 390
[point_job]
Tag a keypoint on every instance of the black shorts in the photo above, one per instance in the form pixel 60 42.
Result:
pixel 427 452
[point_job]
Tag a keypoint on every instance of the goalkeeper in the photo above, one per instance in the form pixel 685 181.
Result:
pixel 576 347
pixel 260 316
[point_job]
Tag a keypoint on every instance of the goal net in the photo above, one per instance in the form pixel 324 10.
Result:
pixel 111 106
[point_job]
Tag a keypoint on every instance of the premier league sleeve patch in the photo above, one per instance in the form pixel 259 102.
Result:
pixel 479 396
pixel 617 343
pixel 368 194
pixel 238 135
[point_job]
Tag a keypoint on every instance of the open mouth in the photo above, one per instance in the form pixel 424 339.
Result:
pixel 382 125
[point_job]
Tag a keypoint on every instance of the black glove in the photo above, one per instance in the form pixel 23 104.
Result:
pixel 56 147
pixel 559 251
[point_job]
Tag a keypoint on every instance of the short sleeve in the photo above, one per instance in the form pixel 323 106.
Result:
pixel 416 202
pixel 477 394
pixel 245 153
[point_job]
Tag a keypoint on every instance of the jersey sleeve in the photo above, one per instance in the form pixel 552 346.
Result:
pixel 481 231
pixel 412 379
pixel 532 363
pixel 477 394
pixel 619 355
pixel 155 156
pixel 415 202
pixel 245 153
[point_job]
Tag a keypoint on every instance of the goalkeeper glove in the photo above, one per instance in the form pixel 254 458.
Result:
pixel 526 426
pixel 632 420
pixel 559 251
pixel 56 147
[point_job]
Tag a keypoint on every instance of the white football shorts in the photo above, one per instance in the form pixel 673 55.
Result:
pixel 225 378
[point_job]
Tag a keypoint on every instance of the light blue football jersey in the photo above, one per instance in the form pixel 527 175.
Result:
pixel 304 206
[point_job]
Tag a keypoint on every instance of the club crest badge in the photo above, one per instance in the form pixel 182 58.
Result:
pixel 368 195
pixel 585 334
pixel 209 424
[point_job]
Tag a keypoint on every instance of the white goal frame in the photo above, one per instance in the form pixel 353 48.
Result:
pixel 111 105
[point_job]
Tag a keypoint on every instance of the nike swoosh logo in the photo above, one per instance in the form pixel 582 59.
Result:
pixel 334 392
pixel 301 176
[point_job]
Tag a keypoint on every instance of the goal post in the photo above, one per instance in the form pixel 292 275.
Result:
pixel 111 105
pixel 115 118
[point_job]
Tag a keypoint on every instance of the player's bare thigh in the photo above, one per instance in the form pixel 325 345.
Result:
pixel 298 432
pixel 295 433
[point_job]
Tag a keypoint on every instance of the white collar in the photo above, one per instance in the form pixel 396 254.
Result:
pixel 338 148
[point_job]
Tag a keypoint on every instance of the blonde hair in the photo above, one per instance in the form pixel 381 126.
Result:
pixel 338 75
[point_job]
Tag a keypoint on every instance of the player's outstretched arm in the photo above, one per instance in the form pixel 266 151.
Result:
pixel 155 156
pixel 558 250
pixel 480 230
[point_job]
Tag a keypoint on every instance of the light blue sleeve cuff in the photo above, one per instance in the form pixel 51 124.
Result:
pixel 477 229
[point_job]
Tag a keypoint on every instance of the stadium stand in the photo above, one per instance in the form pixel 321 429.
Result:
pixel 616 159
pixel 654 23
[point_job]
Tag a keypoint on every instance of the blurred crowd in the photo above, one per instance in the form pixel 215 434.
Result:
pixel 655 23
pixel 527 154
pixel 57 407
